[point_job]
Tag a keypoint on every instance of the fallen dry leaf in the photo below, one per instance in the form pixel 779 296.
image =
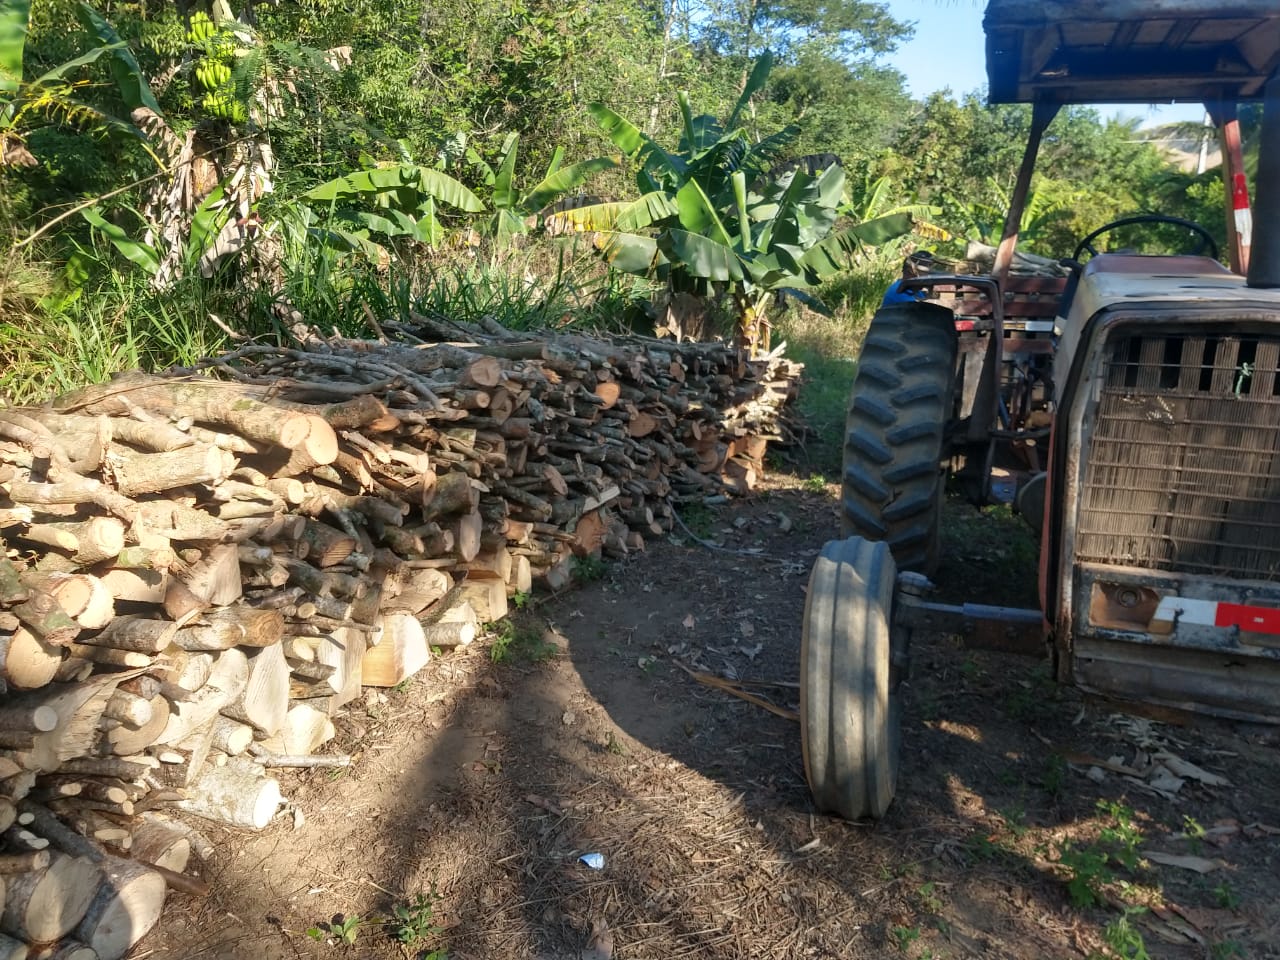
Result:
pixel 600 946
pixel 688 621
pixel 1183 861
pixel 1188 771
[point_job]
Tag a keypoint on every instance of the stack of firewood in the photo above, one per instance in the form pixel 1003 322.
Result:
pixel 199 573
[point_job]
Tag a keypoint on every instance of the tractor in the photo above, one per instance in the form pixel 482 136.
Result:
pixel 1132 400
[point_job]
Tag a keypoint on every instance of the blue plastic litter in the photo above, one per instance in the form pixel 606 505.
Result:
pixel 593 860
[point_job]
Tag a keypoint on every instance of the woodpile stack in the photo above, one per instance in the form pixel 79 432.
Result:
pixel 199 573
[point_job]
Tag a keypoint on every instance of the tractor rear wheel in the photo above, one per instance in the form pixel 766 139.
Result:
pixel 850 671
pixel 899 407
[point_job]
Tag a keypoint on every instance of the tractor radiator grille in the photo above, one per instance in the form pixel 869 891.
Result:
pixel 1182 472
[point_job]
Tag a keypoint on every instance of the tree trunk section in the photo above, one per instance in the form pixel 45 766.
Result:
pixel 124 909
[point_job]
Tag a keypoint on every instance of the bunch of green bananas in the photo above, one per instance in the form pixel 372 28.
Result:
pixel 224 107
pixel 212 74
pixel 202 28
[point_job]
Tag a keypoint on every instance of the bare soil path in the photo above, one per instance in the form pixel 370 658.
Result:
pixel 487 781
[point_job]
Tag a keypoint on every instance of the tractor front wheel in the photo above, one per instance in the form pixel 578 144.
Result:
pixel 851 666
pixel 899 408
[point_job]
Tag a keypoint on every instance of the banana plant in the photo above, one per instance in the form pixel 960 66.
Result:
pixel 775 240
pixel 717 214
pixel 395 201
pixel 515 211
pixel 53 97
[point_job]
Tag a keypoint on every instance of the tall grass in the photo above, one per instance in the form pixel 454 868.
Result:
pixel 121 325
pixel 117 322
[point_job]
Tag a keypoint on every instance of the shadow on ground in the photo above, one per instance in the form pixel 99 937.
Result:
pixel 487 782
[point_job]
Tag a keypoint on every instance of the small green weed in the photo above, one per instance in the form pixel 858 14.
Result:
pixel 904 937
pixel 815 483
pixel 342 929
pixel 1225 897
pixel 1054 777
pixel 1194 833
pixel 1015 820
pixel 981 846
pixel 518 640
pixel 520 599
pixel 614 745
pixel 588 569
pixel 698 518
pixel 1123 939
pixel 1225 950
pixel 929 898
pixel 413 924
pixel 1089 866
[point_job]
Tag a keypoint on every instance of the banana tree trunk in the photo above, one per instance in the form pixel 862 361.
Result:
pixel 754 330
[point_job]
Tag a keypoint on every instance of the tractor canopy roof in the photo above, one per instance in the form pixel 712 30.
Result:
pixel 1130 51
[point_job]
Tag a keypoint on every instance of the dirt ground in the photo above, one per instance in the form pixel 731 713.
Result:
pixel 486 782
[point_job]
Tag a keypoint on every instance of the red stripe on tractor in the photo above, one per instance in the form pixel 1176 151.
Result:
pixel 1249 619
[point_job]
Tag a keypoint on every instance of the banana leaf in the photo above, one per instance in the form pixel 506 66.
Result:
pixel 823 258
pixel 697 215
pixel 128 75
pixel 759 76
pixel 562 180
pixel 15 15
pixel 142 254
pixel 504 194
pixel 635 144
pixel 393 179
pixel 701 256
pixel 630 253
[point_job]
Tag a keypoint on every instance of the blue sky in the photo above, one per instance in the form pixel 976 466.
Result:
pixel 948 50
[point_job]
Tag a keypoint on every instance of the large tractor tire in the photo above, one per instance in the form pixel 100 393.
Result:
pixel 899 407
pixel 850 672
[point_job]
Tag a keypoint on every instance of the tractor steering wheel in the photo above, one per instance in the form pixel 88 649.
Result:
pixel 1206 242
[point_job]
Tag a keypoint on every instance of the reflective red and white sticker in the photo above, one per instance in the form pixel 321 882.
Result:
pixel 1214 613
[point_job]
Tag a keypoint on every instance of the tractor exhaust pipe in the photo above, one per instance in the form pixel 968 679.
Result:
pixel 1264 259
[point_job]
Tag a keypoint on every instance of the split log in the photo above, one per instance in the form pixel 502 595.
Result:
pixel 216 578
pixel 32 717
pixel 136 585
pixel 264 701
pixel 304 730
pixel 82 597
pixel 229 678
pixel 129 708
pixel 401 652
pixel 221 404
pixel 159 844
pixel 449 634
pixel 84 542
pixel 25 862
pixel 141 473
pixel 343 649
pixel 487 595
